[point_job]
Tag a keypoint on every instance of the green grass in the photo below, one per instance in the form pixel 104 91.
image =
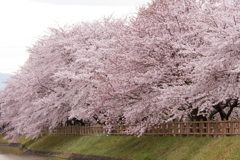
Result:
pixel 147 147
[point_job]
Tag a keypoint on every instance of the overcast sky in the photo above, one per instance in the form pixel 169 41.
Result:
pixel 22 21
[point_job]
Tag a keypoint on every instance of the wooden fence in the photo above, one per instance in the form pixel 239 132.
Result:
pixel 201 128
pixel 76 130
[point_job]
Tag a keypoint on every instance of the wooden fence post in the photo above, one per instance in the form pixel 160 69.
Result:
pixel 194 124
pixel 224 127
pixel 201 127
pixel 208 127
pixel 216 128
pixel 238 126
pixel 181 128
pixel 153 130
pixel 163 129
pixel 169 129
pixel 118 127
pixel 175 128
pixel 158 129
pixel 89 130
pixel 232 127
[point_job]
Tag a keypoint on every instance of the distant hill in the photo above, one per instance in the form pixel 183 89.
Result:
pixel 4 77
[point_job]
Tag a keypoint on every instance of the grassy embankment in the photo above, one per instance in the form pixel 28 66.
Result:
pixel 176 148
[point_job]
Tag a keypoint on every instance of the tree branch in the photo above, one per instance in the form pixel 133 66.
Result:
pixel 213 113
pixel 231 107
pixel 45 86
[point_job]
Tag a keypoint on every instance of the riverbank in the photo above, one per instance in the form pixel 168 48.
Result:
pixel 25 146
pixel 146 147
pixel 20 151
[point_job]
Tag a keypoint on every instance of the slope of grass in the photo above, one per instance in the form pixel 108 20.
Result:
pixel 177 148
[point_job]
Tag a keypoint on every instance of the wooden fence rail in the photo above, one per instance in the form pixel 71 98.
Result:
pixel 201 128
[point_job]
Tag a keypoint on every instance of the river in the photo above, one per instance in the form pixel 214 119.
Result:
pixel 14 153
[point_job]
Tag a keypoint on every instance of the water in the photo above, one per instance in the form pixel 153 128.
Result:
pixel 14 153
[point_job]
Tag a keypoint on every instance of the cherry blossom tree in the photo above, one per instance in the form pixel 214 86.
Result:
pixel 179 58
pixel 61 78
pixel 174 58
pixel 154 49
pixel 215 90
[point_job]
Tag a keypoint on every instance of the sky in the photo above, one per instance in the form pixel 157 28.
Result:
pixel 23 21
